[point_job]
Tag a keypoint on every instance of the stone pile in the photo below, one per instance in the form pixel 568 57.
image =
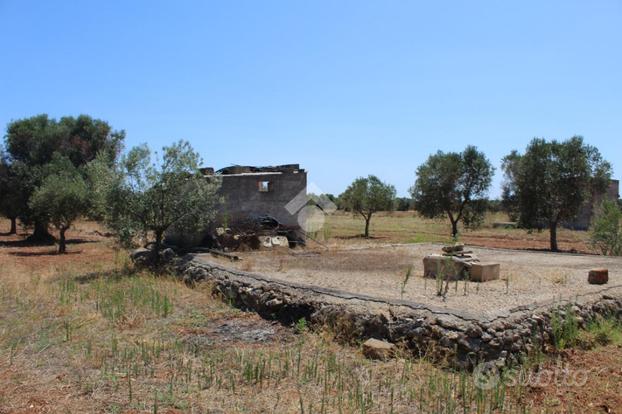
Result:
pixel 455 263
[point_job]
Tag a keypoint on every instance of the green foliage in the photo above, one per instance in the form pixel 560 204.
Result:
pixel 453 184
pixel 12 199
pixel 606 232
pixel 552 181
pixel 34 140
pixel 365 196
pixel 404 204
pixel 301 326
pixel 144 197
pixel 33 143
pixel 61 198
pixel 605 330
pixel 565 328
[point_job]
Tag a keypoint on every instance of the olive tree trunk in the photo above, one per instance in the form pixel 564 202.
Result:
pixel 367 220
pixel 41 234
pixel 553 236
pixel 62 243
pixel 13 229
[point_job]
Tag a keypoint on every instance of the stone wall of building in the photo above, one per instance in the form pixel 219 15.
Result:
pixel 584 219
pixel 262 194
pixel 249 193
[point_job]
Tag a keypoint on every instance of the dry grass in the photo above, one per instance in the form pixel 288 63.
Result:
pixel 344 229
pixel 84 333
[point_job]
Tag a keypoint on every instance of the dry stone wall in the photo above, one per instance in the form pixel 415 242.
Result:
pixel 457 338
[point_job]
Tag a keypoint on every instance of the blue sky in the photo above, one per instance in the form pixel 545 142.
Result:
pixel 345 88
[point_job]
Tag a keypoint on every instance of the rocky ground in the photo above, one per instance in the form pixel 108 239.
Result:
pixel 527 277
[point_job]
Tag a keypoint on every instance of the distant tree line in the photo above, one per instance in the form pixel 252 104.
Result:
pixel 54 171
pixel 544 187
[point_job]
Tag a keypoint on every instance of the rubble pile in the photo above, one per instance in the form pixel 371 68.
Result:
pixel 253 234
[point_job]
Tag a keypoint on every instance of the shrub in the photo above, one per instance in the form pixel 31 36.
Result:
pixel 606 233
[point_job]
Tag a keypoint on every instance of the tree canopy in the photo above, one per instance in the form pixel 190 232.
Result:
pixel 366 196
pixel 453 184
pixel 552 181
pixel 145 196
pixel 32 143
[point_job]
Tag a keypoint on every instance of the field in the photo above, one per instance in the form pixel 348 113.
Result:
pixel 85 333
pixel 527 277
pixel 408 227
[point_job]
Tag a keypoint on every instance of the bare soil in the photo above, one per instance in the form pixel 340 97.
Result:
pixel 527 277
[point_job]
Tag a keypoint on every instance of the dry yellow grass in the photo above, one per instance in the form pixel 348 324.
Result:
pixel 82 333
pixel 344 229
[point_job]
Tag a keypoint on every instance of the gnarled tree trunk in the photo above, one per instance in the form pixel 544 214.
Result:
pixel 62 244
pixel 41 234
pixel 13 229
pixel 367 220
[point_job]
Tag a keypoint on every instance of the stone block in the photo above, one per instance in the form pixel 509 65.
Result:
pixel 376 349
pixel 598 276
pixel 436 265
pixel 280 241
pixel 483 272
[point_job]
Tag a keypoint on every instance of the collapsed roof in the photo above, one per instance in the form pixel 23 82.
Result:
pixel 249 169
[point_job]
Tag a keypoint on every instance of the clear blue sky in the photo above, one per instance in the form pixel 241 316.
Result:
pixel 345 88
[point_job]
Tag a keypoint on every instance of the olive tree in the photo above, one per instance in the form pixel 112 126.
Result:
pixel 365 196
pixel 453 184
pixel 552 181
pixel 143 197
pixel 606 231
pixel 61 198
pixel 12 198
pixel 31 144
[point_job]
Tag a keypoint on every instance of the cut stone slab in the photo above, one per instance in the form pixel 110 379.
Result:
pixel 458 247
pixel 377 349
pixel 279 241
pixel 483 272
pixel 598 276
pixel 270 242
pixel 443 266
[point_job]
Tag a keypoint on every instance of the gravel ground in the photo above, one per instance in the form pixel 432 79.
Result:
pixel 526 277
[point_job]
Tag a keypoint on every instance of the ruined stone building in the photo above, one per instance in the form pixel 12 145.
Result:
pixel 255 201
pixel 584 219
pixel 251 192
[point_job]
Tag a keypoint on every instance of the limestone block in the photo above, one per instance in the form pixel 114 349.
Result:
pixel 436 265
pixel 598 276
pixel 376 349
pixel 266 241
pixel 279 241
pixel 483 272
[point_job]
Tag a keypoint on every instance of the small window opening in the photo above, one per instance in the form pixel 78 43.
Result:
pixel 264 186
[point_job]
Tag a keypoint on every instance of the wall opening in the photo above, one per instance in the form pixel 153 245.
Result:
pixel 264 186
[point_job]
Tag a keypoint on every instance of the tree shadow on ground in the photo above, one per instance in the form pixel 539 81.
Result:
pixel 28 243
pixel 49 253
pixel 359 236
